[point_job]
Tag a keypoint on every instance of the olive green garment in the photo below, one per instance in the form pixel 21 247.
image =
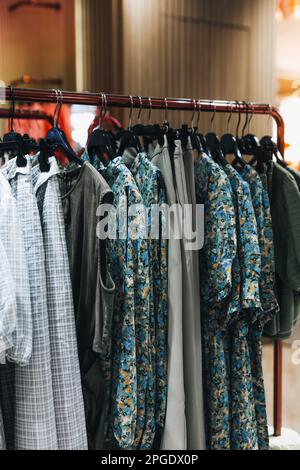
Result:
pixel 285 211
pixel 83 190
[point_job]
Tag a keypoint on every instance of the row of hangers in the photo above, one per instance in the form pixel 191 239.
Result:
pixel 55 141
pixel 103 143
pixel 106 144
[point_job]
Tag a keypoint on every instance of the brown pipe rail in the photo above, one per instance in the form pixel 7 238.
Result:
pixel 179 104
pixel 26 114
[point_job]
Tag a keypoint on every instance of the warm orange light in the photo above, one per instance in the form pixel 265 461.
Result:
pixel 290 110
pixel 288 8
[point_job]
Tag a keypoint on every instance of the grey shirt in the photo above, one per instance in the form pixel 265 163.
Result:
pixel 83 189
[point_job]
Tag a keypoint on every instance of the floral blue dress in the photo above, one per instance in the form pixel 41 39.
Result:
pixel 269 303
pixel 216 270
pixel 128 260
pixel 243 427
pixel 151 186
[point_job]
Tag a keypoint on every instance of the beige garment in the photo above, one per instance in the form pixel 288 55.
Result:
pixel 174 436
pixel 192 352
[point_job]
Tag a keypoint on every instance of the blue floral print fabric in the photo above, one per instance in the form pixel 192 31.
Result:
pixel 243 427
pixel 269 304
pixel 151 186
pixel 216 270
pixel 129 266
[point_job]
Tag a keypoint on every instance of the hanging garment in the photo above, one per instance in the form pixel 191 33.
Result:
pixel 35 426
pixel 2 435
pixel 296 175
pixel 191 325
pixel 19 329
pixel 67 391
pixel 285 199
pixel 243 426
pixel 267 297
pixel 7 400
pixel 174 435
pixel 138 165
pixel 83 192
pixel 261 206
pixel 151 186
pixel 216 259
pixel 8 306
pixel 129 265
pixel 12 239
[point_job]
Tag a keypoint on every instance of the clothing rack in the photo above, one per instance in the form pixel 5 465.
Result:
pixel 179 104
pixel 26 114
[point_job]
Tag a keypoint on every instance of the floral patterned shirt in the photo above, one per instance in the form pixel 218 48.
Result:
pixel 243 426
pixel 216 270
pixel 129 266
pixel 151 186
pixel 269 303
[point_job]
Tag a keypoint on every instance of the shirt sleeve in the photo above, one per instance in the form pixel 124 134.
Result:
pixel 7 305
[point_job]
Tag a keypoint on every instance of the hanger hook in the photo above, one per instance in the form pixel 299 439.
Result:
pixel 251 116
pixel 60 105
pixel 213 118
pixel 229 117
pixel 105 105
pixel 199 112
pixel 101 110
pixel 166 110
pixel 246 120
pixel 239 119
pixel 131 111
pixel 194 111
pixel 150 109
pixel 140 110
pixel 55 109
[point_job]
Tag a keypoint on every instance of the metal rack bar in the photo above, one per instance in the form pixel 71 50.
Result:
pixel 180 104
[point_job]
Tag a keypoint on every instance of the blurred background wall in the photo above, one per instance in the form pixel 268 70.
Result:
pixel 214 49
pixel 37 42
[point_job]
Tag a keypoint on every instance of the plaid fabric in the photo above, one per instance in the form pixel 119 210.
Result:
pixel 8 306
pixel 68 399
pixel 7 402
pixel 18 335
pixel 35 426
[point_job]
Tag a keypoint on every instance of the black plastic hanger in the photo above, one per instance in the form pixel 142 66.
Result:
pixel 229 145
pixel 251 144
pixel 214 145
pixel 127 137
pixel 14 137
pixel 270 149
pixel 147 132
pixel 102 143
pixel 44 156
pixel 56 137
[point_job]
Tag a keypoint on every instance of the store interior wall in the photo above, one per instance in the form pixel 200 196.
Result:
pixel 214 49
pixel 38 42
